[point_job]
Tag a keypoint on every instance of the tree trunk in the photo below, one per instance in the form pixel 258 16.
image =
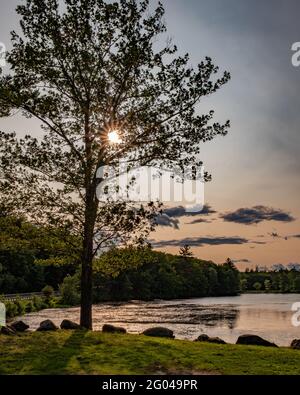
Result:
pixel 86 319
pixel 87 283
pixel 87 268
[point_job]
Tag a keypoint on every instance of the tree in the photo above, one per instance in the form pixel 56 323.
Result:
pixel 244 284
pixel 212 277
pixel 268 285
pixel 257 286
pixel 31 256
pixel 296 284
pixel 229 264
pixel 284 284
pixel 185 252
pixel 84 72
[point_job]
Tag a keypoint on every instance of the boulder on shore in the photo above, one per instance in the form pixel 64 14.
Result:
pixel 159 332
pixel 254 340
pixel 296 344
pixel 206 338
pixel 113 329
pixel 47 325
pixel 67 324
pixel 7 330
pixel 19 326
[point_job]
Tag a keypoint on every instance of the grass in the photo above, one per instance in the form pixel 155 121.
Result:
pixel 85 352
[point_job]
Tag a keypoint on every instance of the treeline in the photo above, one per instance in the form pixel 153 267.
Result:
pixel 283 281
pixel 31 257
pixel 141 273
pixel 19 273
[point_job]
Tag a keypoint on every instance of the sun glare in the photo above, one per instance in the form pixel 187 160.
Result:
pixel 114 137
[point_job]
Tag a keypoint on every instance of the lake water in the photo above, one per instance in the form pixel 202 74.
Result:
pixel 267 315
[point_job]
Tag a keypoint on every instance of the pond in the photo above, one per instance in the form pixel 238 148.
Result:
pixel 267 315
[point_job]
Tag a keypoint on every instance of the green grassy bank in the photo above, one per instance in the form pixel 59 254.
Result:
pixel 83 352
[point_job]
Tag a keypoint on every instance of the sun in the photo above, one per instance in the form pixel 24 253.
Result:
pixel 113 137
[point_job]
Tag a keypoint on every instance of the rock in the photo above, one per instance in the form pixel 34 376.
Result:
pixel 47 325
pixel 7 330
pixel 113 329
pixel 205 338
pixel 254 340
pixel 216 340
pixel 159 332
pixel 202 338
pixel 67 324
pixel 296 344
pixel 19 326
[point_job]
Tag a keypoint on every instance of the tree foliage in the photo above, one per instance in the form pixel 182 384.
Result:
pixel 283 281
pixel 141 273
pixel 32 256
pixel 83 70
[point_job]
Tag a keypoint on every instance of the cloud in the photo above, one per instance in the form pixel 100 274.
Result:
pixel 287 237
pixel 169 217
pixel 199 221
pixel 201 241
pixel 241 261
pixel 165 221
pixel 180 211
pixel 257 214
pixel 207 210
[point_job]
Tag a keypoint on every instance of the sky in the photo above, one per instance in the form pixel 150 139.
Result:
pixel 252 213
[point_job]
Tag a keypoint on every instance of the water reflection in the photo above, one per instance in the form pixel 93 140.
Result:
pixel 266 315
pixel 179 313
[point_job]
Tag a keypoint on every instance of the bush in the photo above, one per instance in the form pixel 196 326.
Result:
pixel 11 309
pixel 48 292
pixel 70 291
pixel 38 303
pixel 52 303
pixel 30 307
pixel 45 305
pixel 257 286
pixel 21 306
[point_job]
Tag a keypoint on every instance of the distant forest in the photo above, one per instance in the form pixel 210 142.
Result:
pixel 282 280
pixel 141 273
pixel 31 258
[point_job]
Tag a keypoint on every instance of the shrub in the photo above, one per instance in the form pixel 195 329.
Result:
pixel 45 305
pixel 38 302
pixel 48 292
pixel 30 307
pixel 21 306
pixel 11 309
pixel 69 289
pixel 52 302
pixel 257 286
